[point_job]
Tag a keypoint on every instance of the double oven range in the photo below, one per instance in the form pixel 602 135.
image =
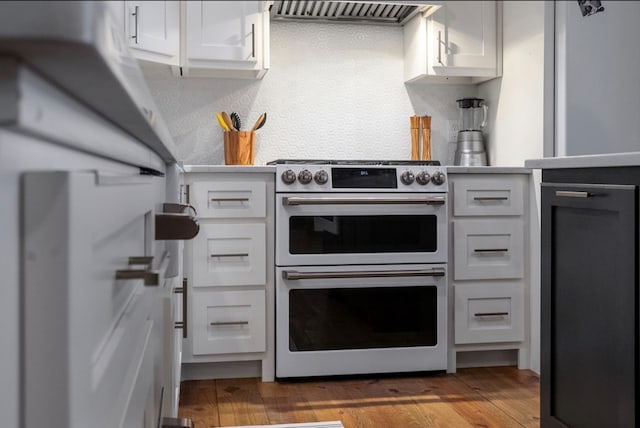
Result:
pixel 361 267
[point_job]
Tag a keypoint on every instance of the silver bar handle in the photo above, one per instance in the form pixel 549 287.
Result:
pixel 229 199
pixel 136 13
pixel 231 255
pixel 491 250
pixel 490 198
pixel 150 277
pixel 573 194
pixel 297 200
pixel 253 40
pixel 491 314
pixel 440 47
pixel 293 275
pixel 185 307
pixel 220 323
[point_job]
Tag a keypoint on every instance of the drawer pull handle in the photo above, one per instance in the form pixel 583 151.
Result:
pixel 570 194
pixel 231 255
pixel 150 277
pixel 219 323
pixel 490 198
pixel 491 250
pixel 183 324
pixel 491 314
pixel 230 200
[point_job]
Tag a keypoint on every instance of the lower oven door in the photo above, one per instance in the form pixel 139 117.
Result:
pixel 360 228
pixel 360 319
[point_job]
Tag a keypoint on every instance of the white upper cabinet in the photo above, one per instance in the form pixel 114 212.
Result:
pixel 153 30
pixel 226 35
pixel 460 43
pixel 201 38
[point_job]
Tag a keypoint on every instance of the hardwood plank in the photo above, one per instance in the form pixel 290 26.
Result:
pixel 515 392
pixel 198 402
pixel 240 403
pixel 501 397
pixel 284 403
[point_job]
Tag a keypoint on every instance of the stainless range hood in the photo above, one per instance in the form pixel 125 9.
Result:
pixel 387 12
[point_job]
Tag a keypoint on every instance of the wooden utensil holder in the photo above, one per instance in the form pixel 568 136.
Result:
pixel 239 147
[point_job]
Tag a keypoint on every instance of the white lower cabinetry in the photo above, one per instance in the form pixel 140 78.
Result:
pixel 489 285
pixel 230 269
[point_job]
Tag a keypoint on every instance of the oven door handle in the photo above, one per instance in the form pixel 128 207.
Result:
pixel 428 200
pixel 293 275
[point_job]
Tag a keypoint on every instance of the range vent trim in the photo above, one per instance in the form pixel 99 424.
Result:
pixel 355 12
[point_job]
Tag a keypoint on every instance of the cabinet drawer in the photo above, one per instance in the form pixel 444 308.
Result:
pixel 487 249
pixel 229 254
pixel 228 322
pixel 487 196
pixel 239 199
pixel 488 313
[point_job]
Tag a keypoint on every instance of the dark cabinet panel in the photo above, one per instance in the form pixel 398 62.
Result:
pixel 589 305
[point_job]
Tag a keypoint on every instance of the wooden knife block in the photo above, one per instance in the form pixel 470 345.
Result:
pixel 239 147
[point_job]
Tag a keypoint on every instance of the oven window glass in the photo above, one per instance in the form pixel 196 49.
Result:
pixel 362 318
pixel 362 234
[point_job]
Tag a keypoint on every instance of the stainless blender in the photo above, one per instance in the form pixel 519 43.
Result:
pixel 470 150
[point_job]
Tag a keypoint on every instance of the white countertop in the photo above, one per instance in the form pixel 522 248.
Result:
pixel 586 161
pixel 487 170
pixel 230 168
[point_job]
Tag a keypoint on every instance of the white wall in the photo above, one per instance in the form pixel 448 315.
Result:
pixel 333 91
pixel 515 130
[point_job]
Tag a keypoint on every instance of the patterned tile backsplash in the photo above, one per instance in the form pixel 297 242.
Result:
pixel 333 91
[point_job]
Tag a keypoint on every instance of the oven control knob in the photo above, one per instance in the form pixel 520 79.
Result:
pixel 321 177
pixel 423 178
pixel 305 176
pixel 438 178
pixel 288 176
pixel 407 177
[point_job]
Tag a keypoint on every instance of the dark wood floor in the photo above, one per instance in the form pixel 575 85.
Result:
pixel 481 397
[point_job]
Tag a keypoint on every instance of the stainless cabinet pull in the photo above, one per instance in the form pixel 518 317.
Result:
pixel 253 40
pixel 490 198
pixel 150 277
pixel 219 323
pixel 491 314
pixel 440 47
pixel 293 275
pixel 136 13
pixel 185 303
pixel 572 194
pixel 230 200
pixel 491 250
pixel 231 255
pixel 429 200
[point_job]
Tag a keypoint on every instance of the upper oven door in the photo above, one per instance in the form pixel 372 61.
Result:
pixel 357 228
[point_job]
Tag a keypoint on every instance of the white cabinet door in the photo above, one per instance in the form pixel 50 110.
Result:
pixel 230 254
pixel 153 30
pixel 228 322
pixel 90 321
pixel 226 35
pixel 464 37
pixel 459 43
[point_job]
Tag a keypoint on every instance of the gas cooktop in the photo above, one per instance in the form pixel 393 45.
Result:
pixel 352 162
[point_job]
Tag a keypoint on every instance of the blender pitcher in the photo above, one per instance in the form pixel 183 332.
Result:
pixel 470 150
pixel 473 114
